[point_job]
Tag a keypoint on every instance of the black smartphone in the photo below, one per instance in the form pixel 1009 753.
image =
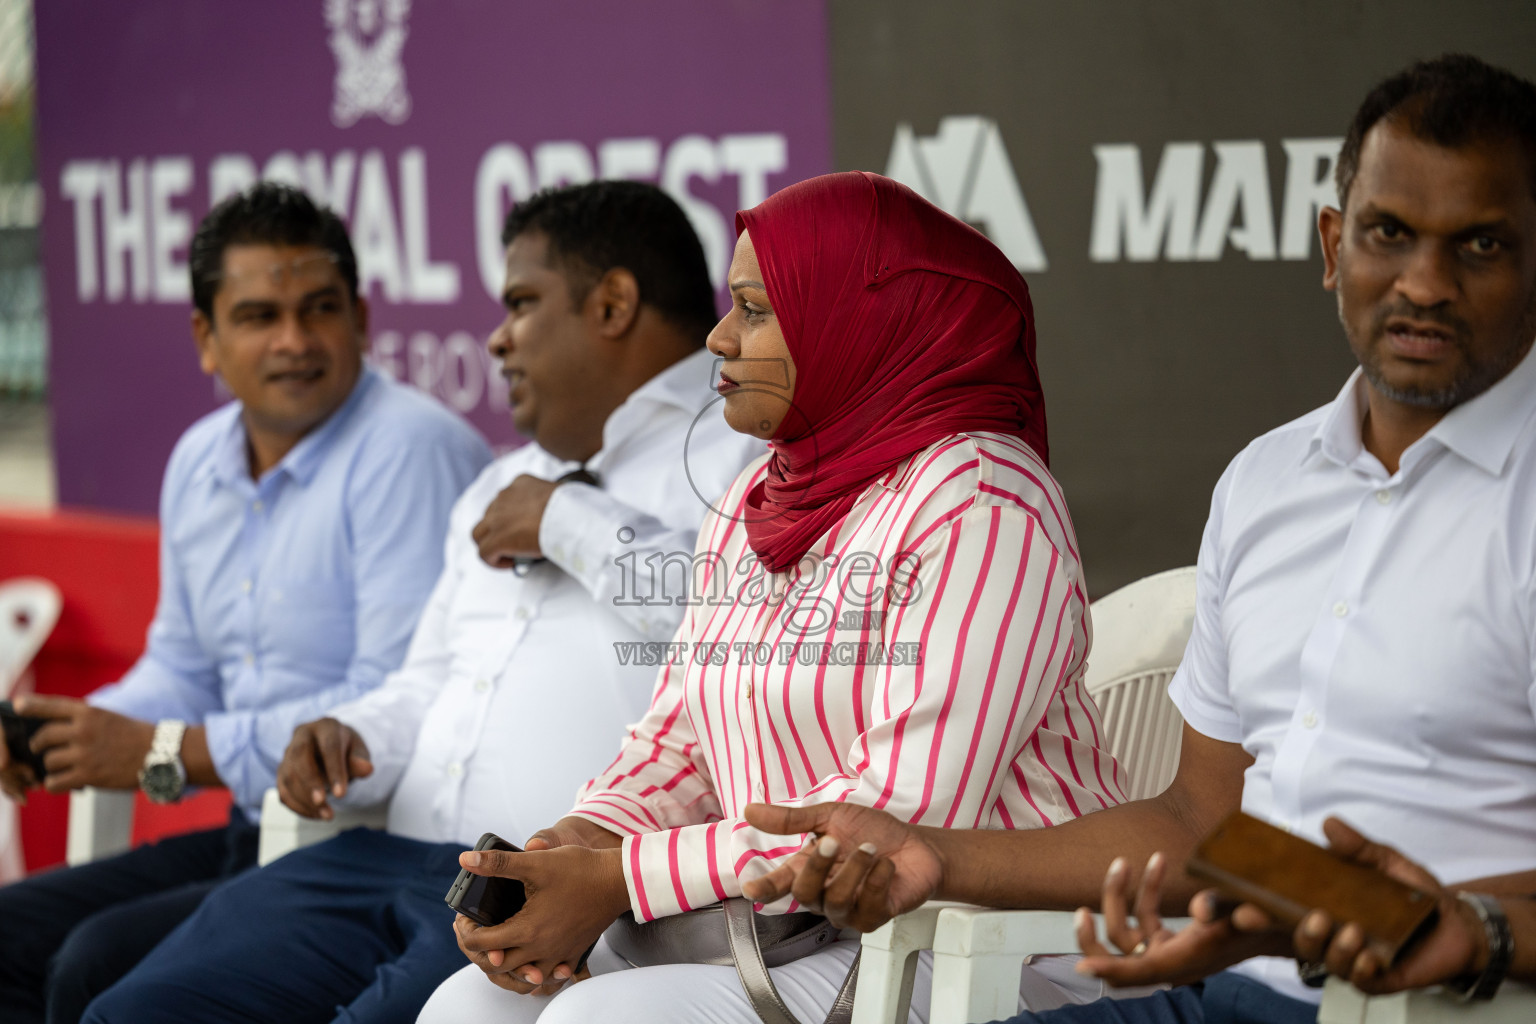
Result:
pixel 18 736
pixel 487 901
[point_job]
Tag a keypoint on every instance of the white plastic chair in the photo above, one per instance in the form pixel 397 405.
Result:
pixel 283 831
pixel 1345 1004
pixel 29 609
pixel 100 821
pixel 1139 635
pixel 101 825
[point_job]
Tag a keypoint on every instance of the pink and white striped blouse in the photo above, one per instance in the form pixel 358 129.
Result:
pixel 925 657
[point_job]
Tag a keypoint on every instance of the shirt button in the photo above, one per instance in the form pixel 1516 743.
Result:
pixel 249 659
pixel 455 770
pixel 481 685
pixel 579 564
pixel 749 691
pixel 1340 610
pixel 1384 497
pixel 245 586
pixel 1309 719
pixel 257 506
pixel 520 612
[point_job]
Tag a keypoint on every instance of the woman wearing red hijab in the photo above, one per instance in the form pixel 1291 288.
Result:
pixel 889 610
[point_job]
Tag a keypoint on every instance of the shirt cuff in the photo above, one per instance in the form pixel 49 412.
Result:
pixel 579 532
pixel 113 697
pixel 143 703
pixel 683 869
pixel 618 812
pixel 230 738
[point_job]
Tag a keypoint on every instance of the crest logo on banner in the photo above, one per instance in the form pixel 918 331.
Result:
pixel 368 38
pixel 964 170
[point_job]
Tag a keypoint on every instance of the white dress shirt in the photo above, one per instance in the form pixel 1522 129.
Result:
pixel 1370 638
pixel 512 694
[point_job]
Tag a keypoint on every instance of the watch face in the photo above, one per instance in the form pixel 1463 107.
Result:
pixel 161 782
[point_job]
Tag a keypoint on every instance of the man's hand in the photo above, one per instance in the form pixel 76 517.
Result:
pixel 15 778
pixel 1214 941
pixel 510 527
pixel 866 867
pixel 573 830
pixel 322 758
pixel 573 894
pixel 1454 947
pixel 87 746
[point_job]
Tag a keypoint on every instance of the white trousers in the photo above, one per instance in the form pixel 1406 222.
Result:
pixel 699 994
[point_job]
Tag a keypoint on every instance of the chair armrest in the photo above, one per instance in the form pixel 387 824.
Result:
pixel 888 964
pixel 977 955
pixel 1345 1004
pixel 283 831
pixel 100 824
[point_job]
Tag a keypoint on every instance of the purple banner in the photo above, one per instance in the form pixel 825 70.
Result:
pixel 419 124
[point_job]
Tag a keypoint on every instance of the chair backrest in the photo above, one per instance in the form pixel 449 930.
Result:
pixel 29 609
pixel 1139 635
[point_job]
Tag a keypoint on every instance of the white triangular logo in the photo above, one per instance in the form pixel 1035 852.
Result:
pixel 964 170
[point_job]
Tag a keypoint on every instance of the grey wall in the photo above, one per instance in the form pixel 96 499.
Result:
pixel 1156 372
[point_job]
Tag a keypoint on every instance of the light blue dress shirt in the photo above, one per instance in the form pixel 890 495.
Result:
pixel 282 597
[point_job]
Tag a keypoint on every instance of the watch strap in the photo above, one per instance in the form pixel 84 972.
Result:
pixel 1501 948
pixel 1313 973
pixel 166 746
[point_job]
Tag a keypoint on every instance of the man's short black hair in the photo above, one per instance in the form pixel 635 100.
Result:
pixel 1451 101
pixel 594 227
pixel 267 213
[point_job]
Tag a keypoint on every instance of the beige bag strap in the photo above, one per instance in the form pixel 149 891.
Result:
pixel 741 931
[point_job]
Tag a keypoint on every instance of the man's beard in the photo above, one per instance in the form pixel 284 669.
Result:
pixel 1472 380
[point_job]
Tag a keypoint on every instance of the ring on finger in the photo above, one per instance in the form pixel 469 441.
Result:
pixel 1139 948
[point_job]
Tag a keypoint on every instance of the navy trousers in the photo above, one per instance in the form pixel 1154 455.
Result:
pixel 354 929
pixel 1224 998
pixel 67 935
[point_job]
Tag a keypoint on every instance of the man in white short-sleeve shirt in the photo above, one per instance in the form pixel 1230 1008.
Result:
pixel 1365 635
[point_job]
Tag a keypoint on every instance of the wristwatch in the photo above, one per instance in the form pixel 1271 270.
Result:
pixel 163 776
pixel 1501 949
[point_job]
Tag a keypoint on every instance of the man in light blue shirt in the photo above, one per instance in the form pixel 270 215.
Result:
pixel 301 533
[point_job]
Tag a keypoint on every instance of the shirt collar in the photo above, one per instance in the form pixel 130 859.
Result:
pixel 687 385
pixel 1482 431
pixel 227 462
pixel 230 462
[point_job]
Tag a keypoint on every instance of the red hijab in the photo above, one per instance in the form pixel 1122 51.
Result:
pixel 905 325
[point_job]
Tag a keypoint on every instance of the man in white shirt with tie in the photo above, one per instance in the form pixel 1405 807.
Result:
pixel 514 686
